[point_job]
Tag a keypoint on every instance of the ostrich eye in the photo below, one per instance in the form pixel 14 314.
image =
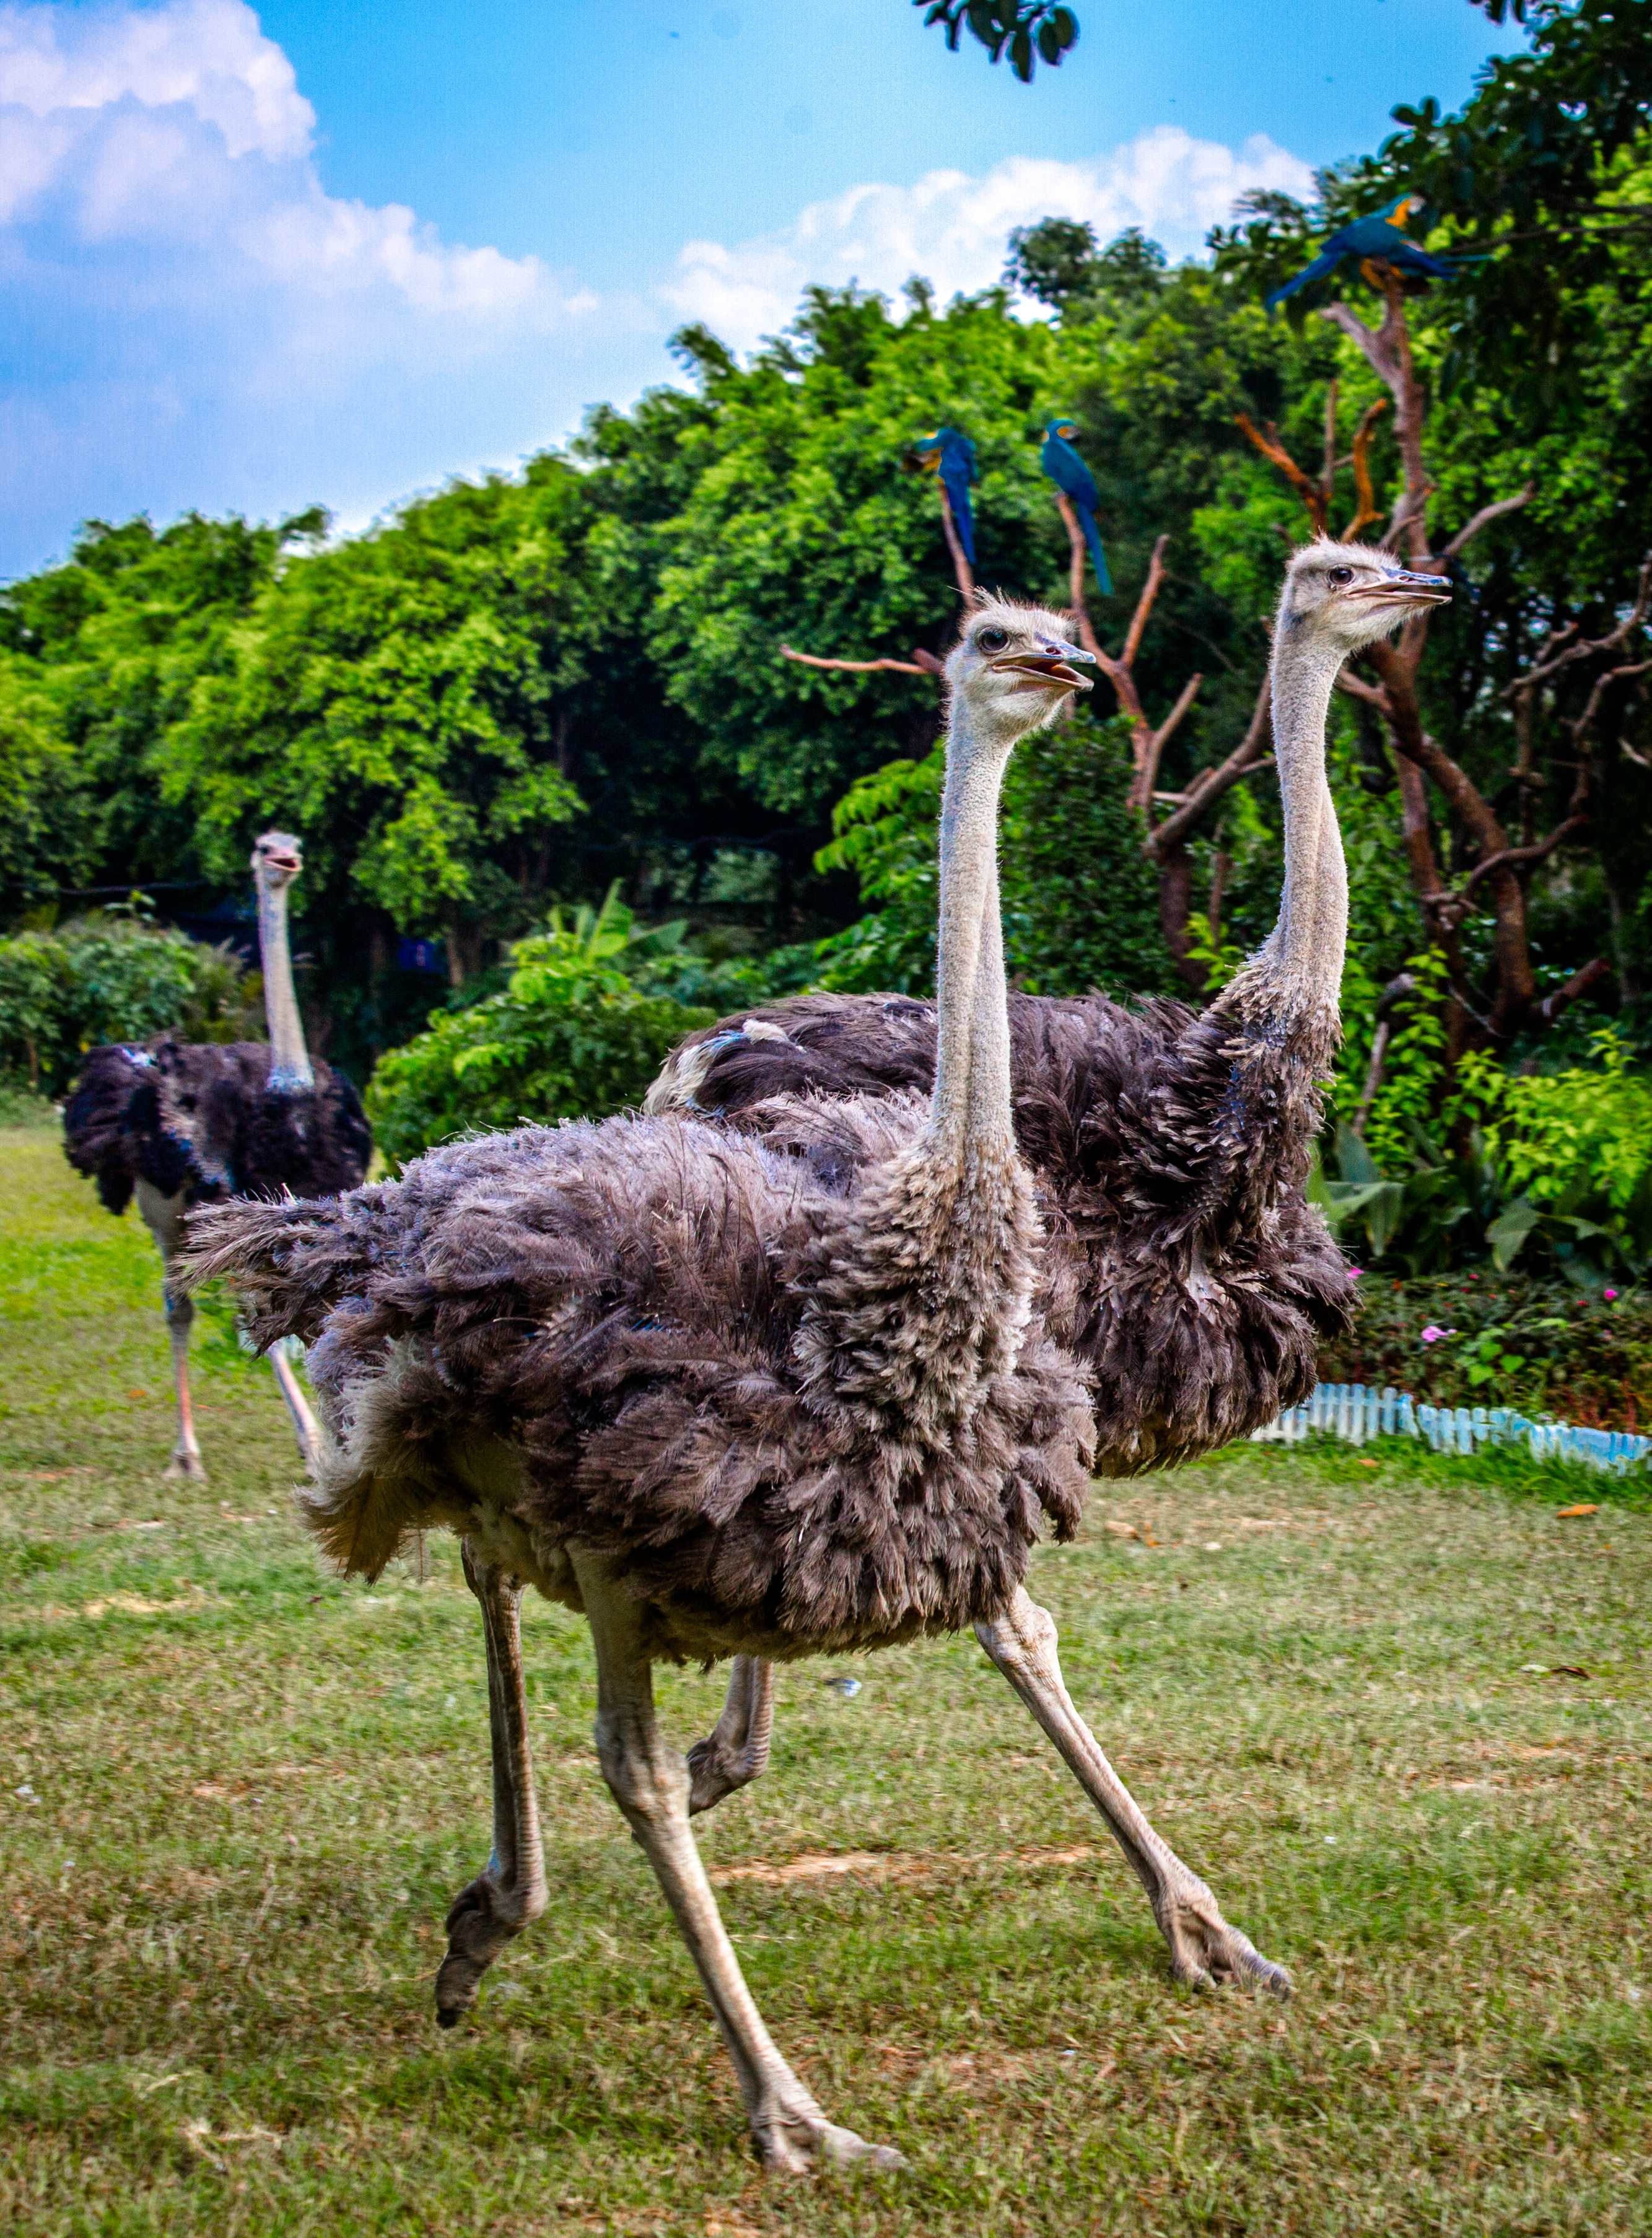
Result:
pixel 993 640
pixel 1341 574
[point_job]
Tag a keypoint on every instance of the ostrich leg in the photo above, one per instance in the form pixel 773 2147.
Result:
pixel 304 1424
pixel 650 1782
pixel 510 1890
pixel 1204 1949
pixel 163 1217
pixel 736 1750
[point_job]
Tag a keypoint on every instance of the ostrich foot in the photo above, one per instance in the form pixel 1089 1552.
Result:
pixel 1204 1949
pixel 481 1920
pixel 185 1462
pixel 735 1750
pixel 793 2137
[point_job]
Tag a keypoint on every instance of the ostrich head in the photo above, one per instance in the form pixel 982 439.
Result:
pixel 1348 595
pixel 277 860
pixel 1011 669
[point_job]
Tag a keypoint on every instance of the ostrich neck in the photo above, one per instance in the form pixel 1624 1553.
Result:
pixel 922 1294
pixel 970 1112
pixel 1296 975
pixel 289 1065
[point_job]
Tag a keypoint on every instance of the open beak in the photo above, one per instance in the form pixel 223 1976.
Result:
pixel 1051 668
pixel 1407 589
pixel 289 864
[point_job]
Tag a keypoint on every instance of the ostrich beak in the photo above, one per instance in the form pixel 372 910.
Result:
pixel 1408 588
pixel 1050 666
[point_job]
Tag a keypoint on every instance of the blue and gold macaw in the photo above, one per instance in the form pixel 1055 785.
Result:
pixel 1367 238
pixel 1074 479
pixel 950 458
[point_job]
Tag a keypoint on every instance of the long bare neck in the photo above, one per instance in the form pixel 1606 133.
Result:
pixel 1296 975
pixel 970 1113
pixel 290 1066
pixel 922 1295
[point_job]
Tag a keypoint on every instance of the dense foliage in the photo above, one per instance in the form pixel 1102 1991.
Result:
pixel 114 978
pixel 569 1036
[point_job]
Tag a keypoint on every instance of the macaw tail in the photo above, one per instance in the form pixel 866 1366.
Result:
pixel 958 498
pixel 1321 265
pixel 1098 557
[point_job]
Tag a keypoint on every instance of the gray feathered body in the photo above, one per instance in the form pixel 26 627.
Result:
pixel 201 1121
pixel 1184 1266
pixel 753 1367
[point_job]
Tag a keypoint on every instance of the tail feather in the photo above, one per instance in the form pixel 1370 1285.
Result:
pixel 291 1261
pixel 1098 556
pixel 1322 263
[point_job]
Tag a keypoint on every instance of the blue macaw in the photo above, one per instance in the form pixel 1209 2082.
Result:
pixel 951 458
pixel 1371 237
pixel 1074 479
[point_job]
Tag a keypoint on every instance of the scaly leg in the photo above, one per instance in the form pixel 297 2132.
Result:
pixel 509 1891
pixel 736 1750
pixel 186 1460
pixel 304 1423
pixel 1204 1949
pixel 650 1782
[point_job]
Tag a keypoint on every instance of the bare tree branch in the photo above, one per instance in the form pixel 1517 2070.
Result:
pixel 1578 985
pixel 1534 854
pixel 1270 447
pixel 1473 526
pixel 859 667
pixel 1367 507
pixel 1211 785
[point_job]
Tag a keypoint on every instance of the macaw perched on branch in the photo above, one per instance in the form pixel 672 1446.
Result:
pixel 1368 238
pixel 1074 479
pixel 950 458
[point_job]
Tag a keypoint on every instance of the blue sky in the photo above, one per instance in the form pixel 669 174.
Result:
pixel 252 260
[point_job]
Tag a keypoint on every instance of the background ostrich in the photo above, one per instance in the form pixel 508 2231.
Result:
pixel 185 1123
pixel 1184 1266
pixel 726 1393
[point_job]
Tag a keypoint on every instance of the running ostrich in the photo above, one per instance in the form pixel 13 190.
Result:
pixel 1184 1266
pixel 726 1393
pixel 185 1123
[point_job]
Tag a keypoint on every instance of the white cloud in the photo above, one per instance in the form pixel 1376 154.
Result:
pixel 953 229
pixel 201 322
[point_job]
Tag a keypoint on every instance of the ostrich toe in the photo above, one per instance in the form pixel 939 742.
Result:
pixel 478 1926
pixel 1205 1951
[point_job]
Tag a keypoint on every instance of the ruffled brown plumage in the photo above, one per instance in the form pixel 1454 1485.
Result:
pixel 1183 1264
pixel 619 1306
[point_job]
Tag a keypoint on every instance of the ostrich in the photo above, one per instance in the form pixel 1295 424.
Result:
pixel 1183 1265
pixel 185 1123
pixel 725 1394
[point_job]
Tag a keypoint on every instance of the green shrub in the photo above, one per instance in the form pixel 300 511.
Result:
pixel 570 1035
pixel 1483 1338
pixel 115 978
pixel 1081 899
pixel 1552 1168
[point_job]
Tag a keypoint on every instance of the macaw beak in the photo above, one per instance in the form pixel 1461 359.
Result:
pixel 1050 666
pixel 1408 589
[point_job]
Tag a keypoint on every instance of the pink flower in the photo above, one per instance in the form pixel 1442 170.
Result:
pixel 1608 1294
pixel 1354 1273
pixel 1431 1335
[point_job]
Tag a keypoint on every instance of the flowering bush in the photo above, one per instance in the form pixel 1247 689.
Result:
pixel 1485 1339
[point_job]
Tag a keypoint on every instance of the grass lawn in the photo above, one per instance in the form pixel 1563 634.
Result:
pixel 238 1798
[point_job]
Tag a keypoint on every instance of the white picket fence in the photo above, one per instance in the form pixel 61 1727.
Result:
pixel 1350 1411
